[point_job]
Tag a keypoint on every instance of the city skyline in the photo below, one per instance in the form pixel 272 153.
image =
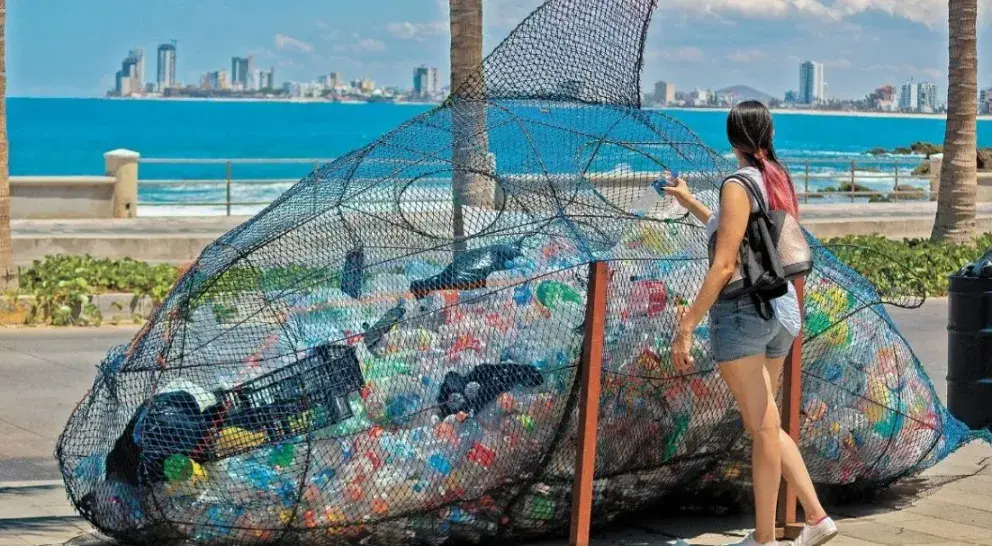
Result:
pixel 911 97
pixel 712 45
pixel 245 81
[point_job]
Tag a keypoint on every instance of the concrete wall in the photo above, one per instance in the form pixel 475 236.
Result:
pixel 983 194
pixel 114 195
pixel 891 228
pixel 69 197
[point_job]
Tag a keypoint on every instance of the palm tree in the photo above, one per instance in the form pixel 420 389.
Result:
pixel 955 220
pixel 8 273
pixel 468 115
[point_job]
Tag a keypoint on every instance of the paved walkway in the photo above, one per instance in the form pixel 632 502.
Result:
pixel 949 504
pixel 45 371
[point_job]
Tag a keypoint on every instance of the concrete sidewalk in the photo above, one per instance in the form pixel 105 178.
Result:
pixel 949 504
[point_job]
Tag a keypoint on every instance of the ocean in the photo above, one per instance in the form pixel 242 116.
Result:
pixel 69 137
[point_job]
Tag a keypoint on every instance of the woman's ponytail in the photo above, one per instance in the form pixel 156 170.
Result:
pixel 778 184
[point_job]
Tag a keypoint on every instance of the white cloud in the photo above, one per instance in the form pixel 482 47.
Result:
pixel 928 12
pixel 817 10
pixel 267 56
pixel 288 43
pixel 908 70
pixel 681 54
pixel 767 8
pixel 838 63
pixel 406 30
pixel 746 56
pixel 367 45
pixel 506 13
pixel 372 45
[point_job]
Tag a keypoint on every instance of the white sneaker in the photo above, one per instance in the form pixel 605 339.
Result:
pixel 816 535
pixel 749 541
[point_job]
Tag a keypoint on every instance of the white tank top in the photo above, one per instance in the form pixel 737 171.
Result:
pixel 786 307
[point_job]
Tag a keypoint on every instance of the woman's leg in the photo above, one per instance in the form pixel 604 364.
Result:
pixel 793 467
pixel 749 382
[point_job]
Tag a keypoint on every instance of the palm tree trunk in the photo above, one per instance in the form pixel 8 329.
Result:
pixel 8 273
pixel 955 220
pixel 468 115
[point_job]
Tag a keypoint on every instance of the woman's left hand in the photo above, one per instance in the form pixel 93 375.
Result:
pixel 682 349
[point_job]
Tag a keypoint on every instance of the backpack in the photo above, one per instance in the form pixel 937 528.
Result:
pixel 773 252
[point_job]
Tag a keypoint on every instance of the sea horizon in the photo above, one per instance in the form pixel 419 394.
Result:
pixel 310 100
pixel 68 137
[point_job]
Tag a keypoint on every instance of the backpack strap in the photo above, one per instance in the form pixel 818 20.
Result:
pixel 751 185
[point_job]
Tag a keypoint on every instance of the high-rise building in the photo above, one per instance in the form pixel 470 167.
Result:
pixel 908 97
pixel 926 93
pixel 215 81
pixel 420 77
pixel 262 80
pixel 700 97
pixel 241 71
pixel 139 57
pixel 331 81
pixel 425 81
pixel 167 66
pixel 664 93
pixel 985 101
pixel 363 85
pixel 811 84
pixel 129 80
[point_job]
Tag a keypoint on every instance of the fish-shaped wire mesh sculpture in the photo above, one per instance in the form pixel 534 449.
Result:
pixel 342 367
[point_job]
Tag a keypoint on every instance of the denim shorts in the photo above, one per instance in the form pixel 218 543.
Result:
pixel 737 331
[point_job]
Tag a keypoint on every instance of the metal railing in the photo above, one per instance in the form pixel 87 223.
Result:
pixel 803 170
pixel 901 171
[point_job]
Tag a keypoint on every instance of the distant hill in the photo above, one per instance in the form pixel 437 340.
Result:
pixel 743 92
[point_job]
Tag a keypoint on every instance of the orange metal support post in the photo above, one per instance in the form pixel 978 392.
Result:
pixel 590 370
pixel 792 399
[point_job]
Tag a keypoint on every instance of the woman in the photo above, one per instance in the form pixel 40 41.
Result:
pixel 750 351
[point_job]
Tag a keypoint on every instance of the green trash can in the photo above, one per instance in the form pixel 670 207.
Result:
pixel 969 344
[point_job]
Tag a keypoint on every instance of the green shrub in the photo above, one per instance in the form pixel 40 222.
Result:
pixel 898 267
pixel 100 276
pixel 63 286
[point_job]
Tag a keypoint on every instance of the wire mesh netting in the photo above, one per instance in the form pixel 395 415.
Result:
pixel 343 367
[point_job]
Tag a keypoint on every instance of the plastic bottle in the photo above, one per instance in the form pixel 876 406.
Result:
pixel 652 195
pixel 351 274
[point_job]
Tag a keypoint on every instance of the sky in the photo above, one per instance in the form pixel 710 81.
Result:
pixel 71 48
